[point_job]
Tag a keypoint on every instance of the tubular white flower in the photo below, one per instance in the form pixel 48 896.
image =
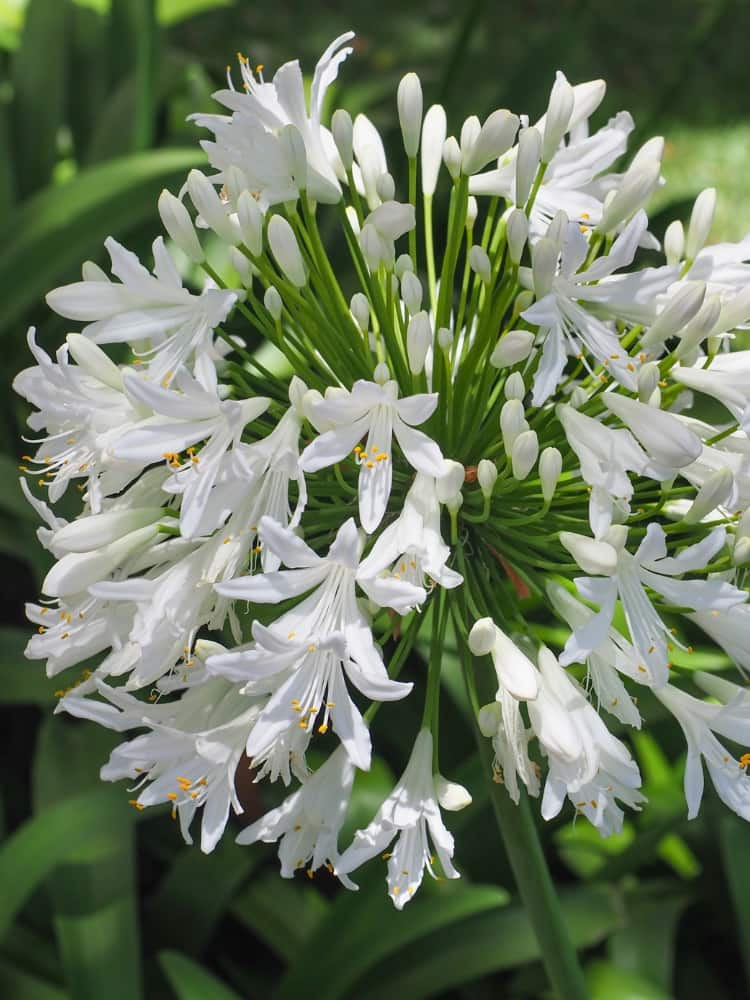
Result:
pixel 433 137
pixel 409 100
pixel 516 674
pixel 286 250
pixel 179 225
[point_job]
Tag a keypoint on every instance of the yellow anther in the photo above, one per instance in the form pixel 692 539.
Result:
pixel 745 760
pixel 323 728
pixel 386 855
pixel 227 540
pixel 311 648
pixel 134 802
pixel 171 796
pixel 291 635
pixel 370 465
pixel 309 873
pixel 41 630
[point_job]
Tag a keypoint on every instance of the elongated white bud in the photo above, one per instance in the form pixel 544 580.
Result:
pixel 482 637
pixel 662 434
pixel 272 302
pixel 597 558
pixel 433 137
pixel 77 571
pixel 451 796
pixel 360 309
pixel 472 211
pixel 410 104
pixel 516 674
pixel 92 532
pixel 343 136
pixel 544 256
pixel 286 252
pixel 411 292
pixel 486 476
pixel 680 309
pixel 242 266
pixel 701 220
pixel 251 223
pixel 381 374
pixel 489 719
pixel 392 219
pixel 293 150
pixel 404 265
pixel 513 347
pixel 93 360
pixel 527 163
pixel 636 187
pixel 702 325
pixel 495 137
pixel 444 338
pixel 648 380
pixel 712 494
pixel 385 187
pixel 514 387
pixel 479 262
pixel 516 232
pixel 558 115
pixel 452 157
pixel 741 552
pixel 674 242
pixel 451 481
pixel 179 225
pixel 418 341
pixel 525 453
pixel 374 248
pixel 512 423
pixel 211 208
pixel 558 228
pixel 550 467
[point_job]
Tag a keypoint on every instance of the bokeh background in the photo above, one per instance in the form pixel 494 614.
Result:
pixel 97 901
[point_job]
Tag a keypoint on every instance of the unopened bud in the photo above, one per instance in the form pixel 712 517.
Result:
pixel 544 256
pixel 385 187
pixel 648 380
pixel 495 137
pixel 343 135
pixel 451 796
pixel 295 154
pixel 517 231
pixel 701 220
pixel 527 163
pixel 411 292
pixel 433 137
pixel 486 477
pixel 636 187
pixel 410 104
pixel 514 387
pixel 482 637
pixel 452 156
pixel 360 310
pixel 550 467
pixel 480 263
pixel 211 208
pixel 272 302
pixel 597 558
pixel 286 252
pixel 404 263
pixel 702 325
pixel 381 374
pixel 242 266
pixel 444 338
pixel 451 481
pixel 489 719
pixel 251 223
pixel 418 341
pixel 674 242
pixel 741 551
pixel 472 211
pixel 524 454
pixel 513 347
pixel 558 115
pixel 179 225
pixel 712 494
pixel 374 247
pixel 512 423
pixel 680 309
pixel 455 503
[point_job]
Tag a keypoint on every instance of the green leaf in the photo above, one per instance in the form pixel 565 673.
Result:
pixel 607 981
pixel 281 913
pixel 39 82
pixel 42 843
pixel 24 682
pixel 368 929
pixel 171 12
pixel 12 500
pixel 58 227
pixel 191 982
pixel 93 892
pixel 734 841
pixel 646 945
pixel 21 985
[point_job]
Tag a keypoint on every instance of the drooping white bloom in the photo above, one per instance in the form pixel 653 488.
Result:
pixel 308 822
pixel 154 309
pixel 727 379
pixel 374 410
pixel 516 674
pixel 501 722
pixel 411 814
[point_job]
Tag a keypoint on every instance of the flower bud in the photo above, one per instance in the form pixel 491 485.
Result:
pixel 93 360
pixel 524 454
pixel 374 248
pixel 272 302
pixel 558 115
pixel 179 225
pixel 512 423
pixel 674 242
pixel 293 150
pixel 444 338
pixel 455 503
pixel 544 256
pixel 550 467
pixel 472 211
pixel 482 636
pixel 433 137
pixel 680 309
pixel 343 135
pixel 409 101
pixel 743 525
pixel 558 228
pixel 527 163
pixel 495 137
pixel 404 264
pixel 242 266
pixel 251 223
pixel 411 292
pixel 712 494
pixel 479 262
pixel 516 674
pixel 286 252
pixel 392 219
pixel 513 347
pixel 360 310
pixel 489 719
pixel 451 481
pixel 636 187
pixel 452 157
pixel 211 208
pixel 385 187
pixel 701 220
pixel 381 375
pixel 517 231
pixel 578 397
pixel 597 558
pixel 451 796
pixel 418 341
pixel 648 380
pixel 486 477
pixel 514 387
pixel 741 551
pixel 702 325
pixel 235 182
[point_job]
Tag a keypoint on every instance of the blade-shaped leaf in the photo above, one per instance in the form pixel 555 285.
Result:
pixel 192 982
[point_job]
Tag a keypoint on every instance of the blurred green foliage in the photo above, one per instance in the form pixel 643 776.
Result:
pixel 100 901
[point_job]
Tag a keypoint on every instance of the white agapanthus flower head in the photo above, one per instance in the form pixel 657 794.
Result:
pixel 530 424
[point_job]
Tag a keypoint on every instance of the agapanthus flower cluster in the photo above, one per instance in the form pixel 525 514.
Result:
pixel 437 439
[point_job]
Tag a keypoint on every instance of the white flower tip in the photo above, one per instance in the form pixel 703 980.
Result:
pixel 595 557
pixel 482 637
pixel 451 796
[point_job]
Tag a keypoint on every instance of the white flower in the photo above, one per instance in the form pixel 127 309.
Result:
pixel 374 410
pixel 501 722
pixel 586 762
pixel 412 546
pixel 516 674
pixel 727 379
pixel 147 308
pixel 730 628
pixel 650 566
pixel 699 721
pixel 411 813
pixel 308 822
